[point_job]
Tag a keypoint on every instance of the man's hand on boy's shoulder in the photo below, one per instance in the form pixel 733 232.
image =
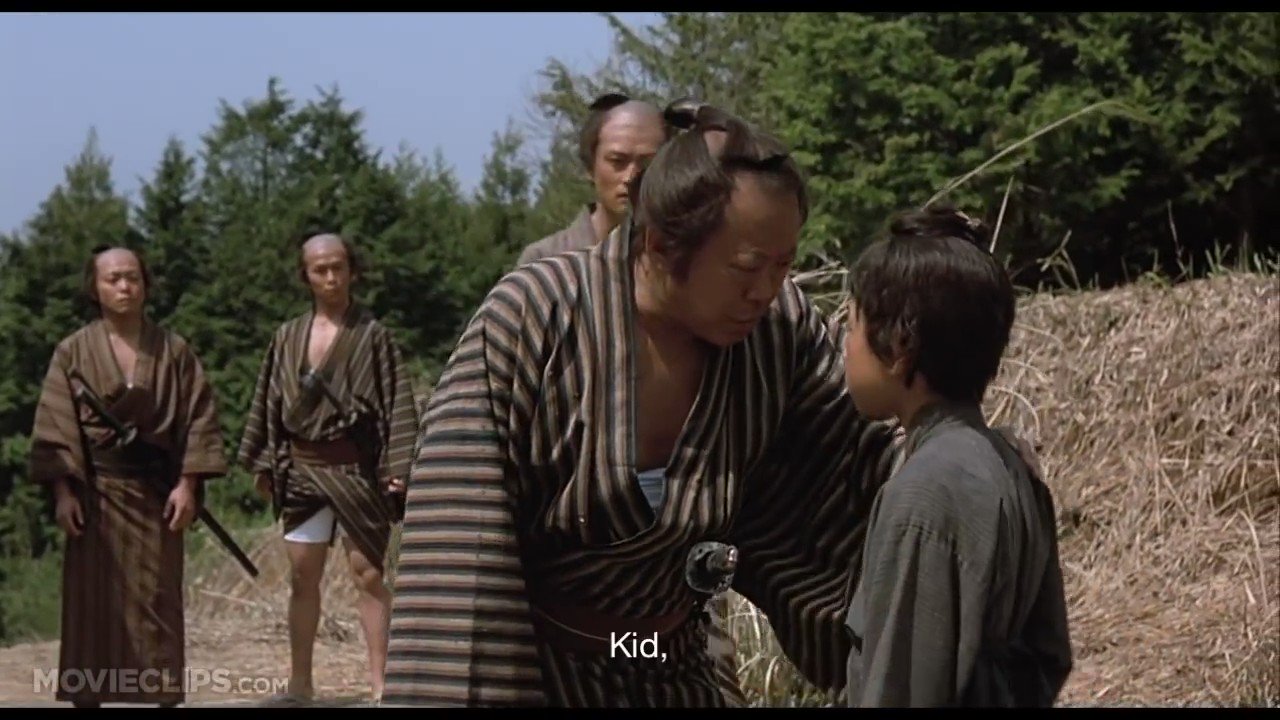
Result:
pixel 1025 449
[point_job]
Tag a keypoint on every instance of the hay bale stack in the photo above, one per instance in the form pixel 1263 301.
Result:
pixel 1159 413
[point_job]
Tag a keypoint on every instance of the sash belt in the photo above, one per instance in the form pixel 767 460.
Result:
pixel 342 451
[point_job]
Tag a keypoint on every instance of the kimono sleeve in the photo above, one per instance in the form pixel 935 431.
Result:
pixel 57 452
pixel 203 453
pixel 261 426
pixel 400 417
pixel 804 515
pixel 461 629
pixel 1048 636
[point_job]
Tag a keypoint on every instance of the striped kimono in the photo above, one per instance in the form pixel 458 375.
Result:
pixel 123 630
pixel 525 487
pixel 371 378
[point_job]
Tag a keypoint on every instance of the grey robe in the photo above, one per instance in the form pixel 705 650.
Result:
pixel 960 600
pixel 580 234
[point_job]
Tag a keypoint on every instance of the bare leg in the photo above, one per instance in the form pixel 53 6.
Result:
pixel 306 561
pixel 375 613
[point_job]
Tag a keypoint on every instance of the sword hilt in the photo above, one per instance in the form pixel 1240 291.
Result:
pixel 125 433
pixel 710 567
pixel 312 379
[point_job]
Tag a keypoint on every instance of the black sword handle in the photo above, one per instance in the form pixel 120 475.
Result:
pixel 314 379
pixel 124 434
pixel 227 541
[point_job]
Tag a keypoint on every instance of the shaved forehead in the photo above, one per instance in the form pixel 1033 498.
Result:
pixel 325 242
pixel 636 111
pixel 715 140
pixel 117 256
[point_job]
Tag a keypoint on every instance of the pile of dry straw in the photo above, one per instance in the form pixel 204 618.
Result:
pixel 1158 411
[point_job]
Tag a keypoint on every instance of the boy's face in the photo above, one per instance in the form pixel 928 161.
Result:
pixel 873 384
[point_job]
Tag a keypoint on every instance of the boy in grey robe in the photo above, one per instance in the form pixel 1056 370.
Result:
pixel 960 600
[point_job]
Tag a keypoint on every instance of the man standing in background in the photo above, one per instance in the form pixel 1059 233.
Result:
pixel 619 138
pixel 122 607
pixel 329 438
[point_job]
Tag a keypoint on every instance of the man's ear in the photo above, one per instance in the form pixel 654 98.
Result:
pixel 651 242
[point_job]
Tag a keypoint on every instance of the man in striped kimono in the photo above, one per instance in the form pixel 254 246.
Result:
pixel 330 437
pixel 123 626
pixel 618 138
pixel 606 411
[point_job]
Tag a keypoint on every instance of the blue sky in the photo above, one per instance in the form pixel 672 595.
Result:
pixel 140 77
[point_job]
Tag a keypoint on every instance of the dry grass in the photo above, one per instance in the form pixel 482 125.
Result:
pixel 223 597
pixel 1158 409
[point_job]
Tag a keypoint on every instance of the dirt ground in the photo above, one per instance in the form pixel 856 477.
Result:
pixel 253 661
pixel 237 634
pixel 260 655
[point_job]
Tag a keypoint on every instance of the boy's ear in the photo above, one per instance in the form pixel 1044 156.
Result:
pixel 903 362
pixel 898 369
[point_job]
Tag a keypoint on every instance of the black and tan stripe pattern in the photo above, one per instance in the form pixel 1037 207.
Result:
pixel 374 378
pixel 524 475
pixel 122 608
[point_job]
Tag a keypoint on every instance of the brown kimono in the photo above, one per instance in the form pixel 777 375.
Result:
pixel 580 234
pixel 288 430
pixel 123 636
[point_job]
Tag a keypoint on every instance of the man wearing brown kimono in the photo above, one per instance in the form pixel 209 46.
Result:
pixel 123 636
pixel 607 413
pixel 329 437
pixel 618 138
